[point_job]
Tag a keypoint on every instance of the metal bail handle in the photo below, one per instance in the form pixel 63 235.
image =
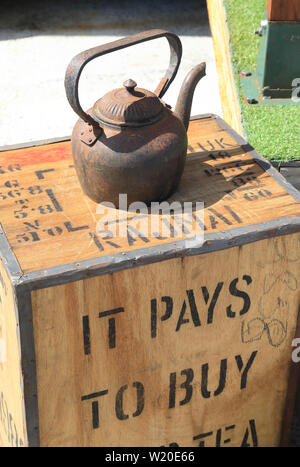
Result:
pixel 79 61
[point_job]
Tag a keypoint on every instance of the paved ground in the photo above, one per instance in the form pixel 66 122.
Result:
pixel 38 39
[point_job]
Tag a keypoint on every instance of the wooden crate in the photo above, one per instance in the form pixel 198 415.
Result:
pixel 148 341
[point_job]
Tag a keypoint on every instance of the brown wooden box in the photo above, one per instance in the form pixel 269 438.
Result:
pixel 148 341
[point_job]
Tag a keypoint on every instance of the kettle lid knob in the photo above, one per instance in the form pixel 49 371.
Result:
pixel 129 85
pixel 128 106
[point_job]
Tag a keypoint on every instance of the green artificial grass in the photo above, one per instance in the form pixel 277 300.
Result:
pixel 274 131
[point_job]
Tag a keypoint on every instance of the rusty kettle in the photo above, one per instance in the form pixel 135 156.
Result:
pixel 130 141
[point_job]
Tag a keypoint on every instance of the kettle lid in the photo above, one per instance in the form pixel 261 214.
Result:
pixel 128 106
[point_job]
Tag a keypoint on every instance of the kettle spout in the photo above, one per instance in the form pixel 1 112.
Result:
pixel 184 101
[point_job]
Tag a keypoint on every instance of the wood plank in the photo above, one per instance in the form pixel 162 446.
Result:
pixel 229 98
pixel 283 10
pixel 50 222
pixel 12 423
pixel 167 352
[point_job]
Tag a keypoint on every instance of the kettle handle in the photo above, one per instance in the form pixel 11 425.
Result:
pixel 79 61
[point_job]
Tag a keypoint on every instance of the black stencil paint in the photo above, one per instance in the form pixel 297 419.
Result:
pixel 54 201
pixel 222 379
pixel 193 310
pixel 239 293
pixel 140 395
pixel 40 173
pixel 240 366
pixel 86 335
pixel 213 300
pixel 191 379
pixel 190 310
pixel 249 438
pixel 95 406
pixel 111 325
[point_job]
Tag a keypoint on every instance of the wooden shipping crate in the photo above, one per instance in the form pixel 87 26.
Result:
pixel 113 339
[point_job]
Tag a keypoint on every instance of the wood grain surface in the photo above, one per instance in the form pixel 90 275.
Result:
pixel 49 221
pixel 189 352
pixel 220 35
pixel 12 422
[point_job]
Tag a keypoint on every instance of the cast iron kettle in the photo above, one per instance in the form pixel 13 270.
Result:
pixel 130 141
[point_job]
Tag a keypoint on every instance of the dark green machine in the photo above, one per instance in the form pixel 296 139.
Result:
pixel 277 76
